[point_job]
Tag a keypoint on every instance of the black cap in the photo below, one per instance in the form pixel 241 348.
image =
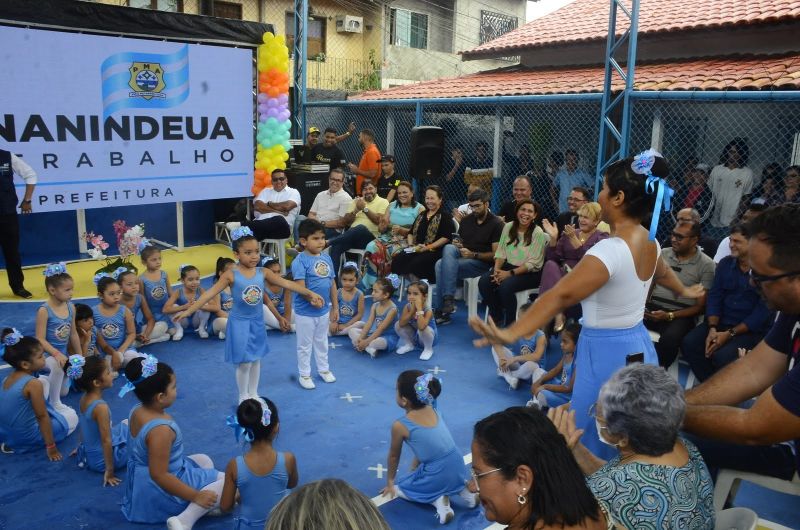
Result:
pixel 387 158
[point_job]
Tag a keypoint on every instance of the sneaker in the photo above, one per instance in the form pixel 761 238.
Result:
pixel 203 333
pixel 405 348
pixel 470 499
pixel 442 319
pixel 426 355
pixel 371 351
pixel 533 404
pixel 306 382
pixel 446 515
pixel 232 226
pixel 328 377
pixel 221 335
pixel 448 305
pixel 178 335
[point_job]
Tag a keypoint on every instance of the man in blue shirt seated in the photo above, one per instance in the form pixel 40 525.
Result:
pixel 754 439
pixel 569 177
pixel 736 316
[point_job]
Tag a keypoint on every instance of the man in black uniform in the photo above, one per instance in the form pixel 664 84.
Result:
pixel 328 152
pixel 303 154
pixel 9 224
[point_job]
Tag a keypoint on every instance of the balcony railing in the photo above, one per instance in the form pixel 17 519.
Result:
pixel 337 73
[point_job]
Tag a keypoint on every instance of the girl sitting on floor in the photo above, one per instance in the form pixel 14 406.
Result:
pixel 277 301
pixel 351 301
pixel 554 388
pixel 161 483
pixel 103 447
pixel 525 364
pixel 263 476
pixel 440 471
pixel 27 421
pixel 184 296
pixel 417 326
pixel 378 332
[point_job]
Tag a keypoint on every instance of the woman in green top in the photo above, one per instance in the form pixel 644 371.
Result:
pixel 517 264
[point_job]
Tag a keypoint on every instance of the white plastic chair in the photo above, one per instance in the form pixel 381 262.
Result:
pixel 736 519
pixel 471 295
pixel 522 299
pixel 360 252
pixel 674 368
pixel 729 480
pixel 277 248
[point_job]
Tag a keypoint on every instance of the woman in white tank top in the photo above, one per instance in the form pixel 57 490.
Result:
pixel 611 282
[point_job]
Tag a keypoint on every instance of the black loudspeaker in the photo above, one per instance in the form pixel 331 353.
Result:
pixel 427 153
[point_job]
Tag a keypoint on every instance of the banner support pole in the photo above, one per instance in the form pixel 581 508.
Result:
pixel 80 216
pixel 179 225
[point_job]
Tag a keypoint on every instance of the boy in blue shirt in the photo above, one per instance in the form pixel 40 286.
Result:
pixel 315 271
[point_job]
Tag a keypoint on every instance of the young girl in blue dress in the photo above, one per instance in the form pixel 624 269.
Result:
pixel 351 301
pixel 416 326
pixel 220 318
pixel 246 335
pixel 27 421
pixel 440 472
pixel 184 296
pixel 55 328
pixel 554 388
pixel 263 476
pixel 162 485
pixel 103 447
pixel 87 334
pixel 149 331
pixel 278 312
pixel 116 329
pixel 523 362
pixel 154 284
pixel 378 332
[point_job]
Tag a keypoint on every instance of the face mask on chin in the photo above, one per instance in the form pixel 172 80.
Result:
pixel 600 436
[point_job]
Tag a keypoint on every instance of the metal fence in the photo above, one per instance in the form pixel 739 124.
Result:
pixel 524 135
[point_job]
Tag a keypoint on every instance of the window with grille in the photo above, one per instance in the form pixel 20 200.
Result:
pixel 227 10
pixel 176 6
pixel 315 32
pixel 409 29
pixel 495 24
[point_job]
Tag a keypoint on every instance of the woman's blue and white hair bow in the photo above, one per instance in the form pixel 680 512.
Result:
pixel 643 165
pixel 55 268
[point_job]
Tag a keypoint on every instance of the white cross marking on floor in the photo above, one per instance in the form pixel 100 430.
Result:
pixel 350 398
pixel 332 345
pixel 378 470
pixel 436 370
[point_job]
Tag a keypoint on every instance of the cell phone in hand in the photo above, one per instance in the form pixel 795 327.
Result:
pixel 456 238
pixel 634 358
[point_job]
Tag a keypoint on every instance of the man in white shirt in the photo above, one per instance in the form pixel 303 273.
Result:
pixel 276 209
pixel 330 206
pixel 730 182
pixel 363 216
pixel 724 249
pixel 9 224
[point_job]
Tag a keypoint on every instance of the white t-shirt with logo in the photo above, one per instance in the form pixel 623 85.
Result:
pixel 728 187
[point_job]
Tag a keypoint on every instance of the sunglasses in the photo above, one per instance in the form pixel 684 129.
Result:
pixel 679 237
pixel 278 179
pixel 757 279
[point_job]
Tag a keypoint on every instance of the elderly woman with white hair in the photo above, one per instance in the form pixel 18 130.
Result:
pixel 657 480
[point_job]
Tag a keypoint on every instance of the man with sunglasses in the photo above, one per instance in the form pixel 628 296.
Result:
pixel 672 317
pixel 736 316
pixel 754 439
pixel 275 210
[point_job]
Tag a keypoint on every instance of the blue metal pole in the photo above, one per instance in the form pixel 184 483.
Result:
pixel 418 117
pixel 300 54
pixel 631 66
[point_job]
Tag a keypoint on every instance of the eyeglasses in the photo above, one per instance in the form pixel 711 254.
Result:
pixel 593 414
pixel 757 279
pixel 278 179
pixel 679 237
pixel 476 476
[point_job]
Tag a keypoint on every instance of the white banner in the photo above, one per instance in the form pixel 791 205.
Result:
pixel 108 121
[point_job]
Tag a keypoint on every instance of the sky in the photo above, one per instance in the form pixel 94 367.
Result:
pixel 543 7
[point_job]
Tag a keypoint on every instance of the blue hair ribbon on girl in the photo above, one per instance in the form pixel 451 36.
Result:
pixel 99 276
pixel 10 339
pixel 350 264
pixel 266 261
pixel 239 431
pixel 143 244
pixel 75 366
pixel 421 389
pixel 149 367
pixel 240 232
pixel 55 268
pixel 643 165
pixel 117 272
pixel 394 279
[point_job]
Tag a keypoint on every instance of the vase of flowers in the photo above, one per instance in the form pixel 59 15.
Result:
pixel 130 242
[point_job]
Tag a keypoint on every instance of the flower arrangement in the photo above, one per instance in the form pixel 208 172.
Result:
pixel 130 242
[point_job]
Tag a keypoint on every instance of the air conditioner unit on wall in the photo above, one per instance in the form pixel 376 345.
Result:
pixel 349 24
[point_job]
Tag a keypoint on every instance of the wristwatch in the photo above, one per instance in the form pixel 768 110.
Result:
pixel 732 332
pixel 670 316
pixel 365 210
pixel 322 223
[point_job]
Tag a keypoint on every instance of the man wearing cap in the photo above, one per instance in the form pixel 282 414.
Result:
pixel 303 154
pixel 369 167
pixel 387 184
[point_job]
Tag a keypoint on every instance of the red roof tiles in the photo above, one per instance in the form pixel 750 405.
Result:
pixel 742 73
pixel 585 20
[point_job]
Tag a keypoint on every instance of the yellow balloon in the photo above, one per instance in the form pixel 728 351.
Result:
pixel 268 37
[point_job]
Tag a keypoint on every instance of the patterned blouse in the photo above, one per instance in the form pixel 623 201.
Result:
pixel 655 497
pixel 531 256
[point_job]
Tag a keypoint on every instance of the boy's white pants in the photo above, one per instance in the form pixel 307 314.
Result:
pixel 312 333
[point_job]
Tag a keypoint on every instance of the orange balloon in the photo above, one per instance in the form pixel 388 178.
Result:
pixel 272 92
pixel 264 88
pixel 263 77
pixel 255 190
pixel 260 174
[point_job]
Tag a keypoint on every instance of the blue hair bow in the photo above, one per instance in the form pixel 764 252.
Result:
pixel 144 243
pixel 149 367
pixel 421 389
pixel 240 232
pixel 394 279
pixel 55 268
pixel 643 165
pixel 99 276
pixel 117 272
pixel 239 431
